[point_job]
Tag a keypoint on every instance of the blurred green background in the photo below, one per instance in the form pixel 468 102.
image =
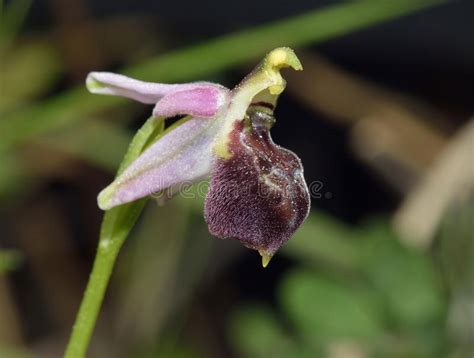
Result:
pixel 381 117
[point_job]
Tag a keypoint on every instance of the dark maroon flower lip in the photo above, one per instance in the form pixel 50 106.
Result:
pixel 258 195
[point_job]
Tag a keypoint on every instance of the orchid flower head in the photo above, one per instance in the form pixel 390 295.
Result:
pixel 257 191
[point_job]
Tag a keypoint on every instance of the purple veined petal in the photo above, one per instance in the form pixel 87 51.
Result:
pixel 182 156
pixel 202 100
pixel 146 92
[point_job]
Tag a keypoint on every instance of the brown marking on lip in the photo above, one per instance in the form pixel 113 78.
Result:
pixel 263 104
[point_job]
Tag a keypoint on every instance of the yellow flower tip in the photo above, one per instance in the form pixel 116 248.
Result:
pixel 284 57
pixel 277 59
pixel 266 257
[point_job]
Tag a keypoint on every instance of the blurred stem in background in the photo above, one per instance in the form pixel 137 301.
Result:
pixel 200 60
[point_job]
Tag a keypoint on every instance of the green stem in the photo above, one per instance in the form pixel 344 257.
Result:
pixel 86 318
pixel 116 225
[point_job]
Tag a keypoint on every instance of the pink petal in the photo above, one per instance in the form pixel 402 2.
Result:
pixel 180 157
pixel 199 101
pixel 145 92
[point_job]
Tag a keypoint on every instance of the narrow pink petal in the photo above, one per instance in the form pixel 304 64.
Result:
pixel 145 92
pixel 180 157
pixel 119 85
pixel 202 100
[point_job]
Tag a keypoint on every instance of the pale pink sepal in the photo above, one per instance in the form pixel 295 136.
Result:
pixel 202 100
pixel 146 92
pixel 182 156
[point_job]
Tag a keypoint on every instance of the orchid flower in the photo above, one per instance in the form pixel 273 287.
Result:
pixel 257 191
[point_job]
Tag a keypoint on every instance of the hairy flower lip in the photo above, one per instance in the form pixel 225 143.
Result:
pixel 274 199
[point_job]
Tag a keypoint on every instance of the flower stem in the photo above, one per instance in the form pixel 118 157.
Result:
pixel 107 253
pixel 116 225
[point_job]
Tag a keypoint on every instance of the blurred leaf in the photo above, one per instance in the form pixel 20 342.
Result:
pixel 255 332
pixel 168 348
pixel 28 71
pixel 325 311
pixel 9 261
pixel 455 251
pixel 14 177
pixel 201 60
pixel 322 238
pixel 11 19
pixel 87 143
pixel 456 245
pixel 15 352
pixel 406 278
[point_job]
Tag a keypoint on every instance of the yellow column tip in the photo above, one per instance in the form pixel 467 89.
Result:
pixel 283 57
pixel 265 258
